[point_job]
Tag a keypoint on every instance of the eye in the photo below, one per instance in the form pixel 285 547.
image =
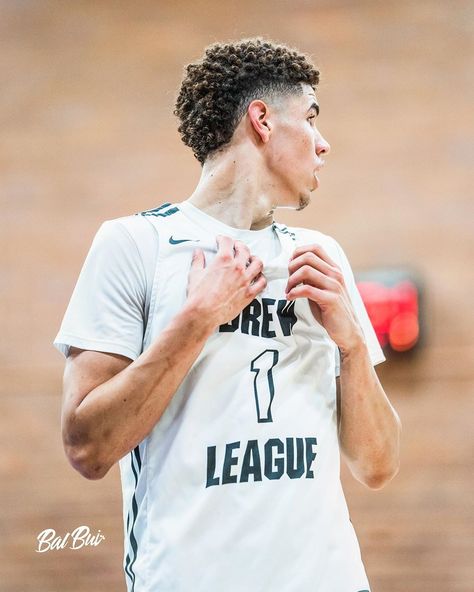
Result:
pixel 311 117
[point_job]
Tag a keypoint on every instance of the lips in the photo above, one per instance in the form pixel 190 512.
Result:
pixel 319 166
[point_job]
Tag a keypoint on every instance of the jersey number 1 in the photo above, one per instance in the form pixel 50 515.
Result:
pixel 263 386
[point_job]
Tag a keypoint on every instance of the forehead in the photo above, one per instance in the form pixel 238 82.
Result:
pixel 308 91
pixel 309 95
pixel 303 102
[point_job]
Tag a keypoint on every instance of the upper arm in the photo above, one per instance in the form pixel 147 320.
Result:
pixel 84 371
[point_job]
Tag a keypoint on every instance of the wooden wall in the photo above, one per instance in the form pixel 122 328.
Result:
pixel 88 135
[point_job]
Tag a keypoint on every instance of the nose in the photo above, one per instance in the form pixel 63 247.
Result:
pixel 322 146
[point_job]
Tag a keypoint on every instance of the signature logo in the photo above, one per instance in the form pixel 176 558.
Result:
pixel 78 538
pixel 176 241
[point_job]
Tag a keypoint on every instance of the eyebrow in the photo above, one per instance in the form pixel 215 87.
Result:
pixel 314 106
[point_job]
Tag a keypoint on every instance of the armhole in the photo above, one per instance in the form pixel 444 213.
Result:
pixel 150 271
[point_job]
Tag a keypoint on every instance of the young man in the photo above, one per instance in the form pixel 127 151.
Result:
pixel 224 359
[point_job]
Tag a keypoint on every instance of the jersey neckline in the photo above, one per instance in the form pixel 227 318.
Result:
pixel 216 226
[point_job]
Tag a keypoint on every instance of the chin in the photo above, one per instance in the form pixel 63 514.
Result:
pixel 296 200
pixel 304 201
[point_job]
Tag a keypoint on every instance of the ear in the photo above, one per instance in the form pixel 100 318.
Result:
pixel 259 117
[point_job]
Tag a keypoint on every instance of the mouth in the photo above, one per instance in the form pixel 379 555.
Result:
pixel 316 170
pixel 319 166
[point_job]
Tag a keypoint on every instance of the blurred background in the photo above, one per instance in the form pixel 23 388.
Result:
pixel 88 135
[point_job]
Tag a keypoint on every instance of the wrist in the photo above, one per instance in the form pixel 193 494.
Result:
pixel 199 317
pixel 357 347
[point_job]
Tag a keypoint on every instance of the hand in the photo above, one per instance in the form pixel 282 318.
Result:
pixel 322 282
pixel 233 279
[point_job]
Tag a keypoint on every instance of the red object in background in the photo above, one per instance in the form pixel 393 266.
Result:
pixel 392 300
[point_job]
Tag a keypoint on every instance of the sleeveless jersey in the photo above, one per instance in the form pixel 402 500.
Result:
pixel 237 487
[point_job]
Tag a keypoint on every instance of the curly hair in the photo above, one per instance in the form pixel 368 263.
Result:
pixel 217 90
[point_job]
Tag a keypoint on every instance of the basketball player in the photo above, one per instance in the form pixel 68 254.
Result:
pixel 224 359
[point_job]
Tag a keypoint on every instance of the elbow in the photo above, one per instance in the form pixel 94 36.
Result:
pixel 379 479
pixel 82 451
pixel 85 462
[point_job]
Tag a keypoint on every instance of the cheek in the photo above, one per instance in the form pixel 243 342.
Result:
pixel 308 144
pixel 293 150
pixel 283 152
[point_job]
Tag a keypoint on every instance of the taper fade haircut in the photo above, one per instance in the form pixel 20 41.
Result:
pixel 217 90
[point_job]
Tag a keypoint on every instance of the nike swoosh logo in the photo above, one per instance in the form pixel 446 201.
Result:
pixel 176 241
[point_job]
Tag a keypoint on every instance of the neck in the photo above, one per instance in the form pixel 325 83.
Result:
pixel 232 190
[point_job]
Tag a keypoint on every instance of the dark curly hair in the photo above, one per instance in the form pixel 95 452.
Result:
pixel 217 90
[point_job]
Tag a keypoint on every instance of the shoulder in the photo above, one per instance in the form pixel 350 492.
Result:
pixel 125 244
pixel 133 226
pixel 140 228
pixel 137 233
pixel 146 225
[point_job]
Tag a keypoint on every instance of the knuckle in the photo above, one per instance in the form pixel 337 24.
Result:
pixel 250 290
pixel 239 268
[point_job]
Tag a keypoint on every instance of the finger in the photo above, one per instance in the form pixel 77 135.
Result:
pixel 242 252
pixel 198 260
pixel 309 275
pixel 225 246
pixel 321 297
pixel 317 250
pixel 259 284
pixel 254 268
pixel 310 258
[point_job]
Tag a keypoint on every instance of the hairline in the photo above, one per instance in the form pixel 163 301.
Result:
pixel 292 89
pixel 272 91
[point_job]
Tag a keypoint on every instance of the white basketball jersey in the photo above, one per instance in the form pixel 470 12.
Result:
pixel 237 487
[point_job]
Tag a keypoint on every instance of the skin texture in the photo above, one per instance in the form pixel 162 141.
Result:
pixel 271 162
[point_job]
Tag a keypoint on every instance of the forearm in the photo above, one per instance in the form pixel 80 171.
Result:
pixel 119 413
pixel 369 427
